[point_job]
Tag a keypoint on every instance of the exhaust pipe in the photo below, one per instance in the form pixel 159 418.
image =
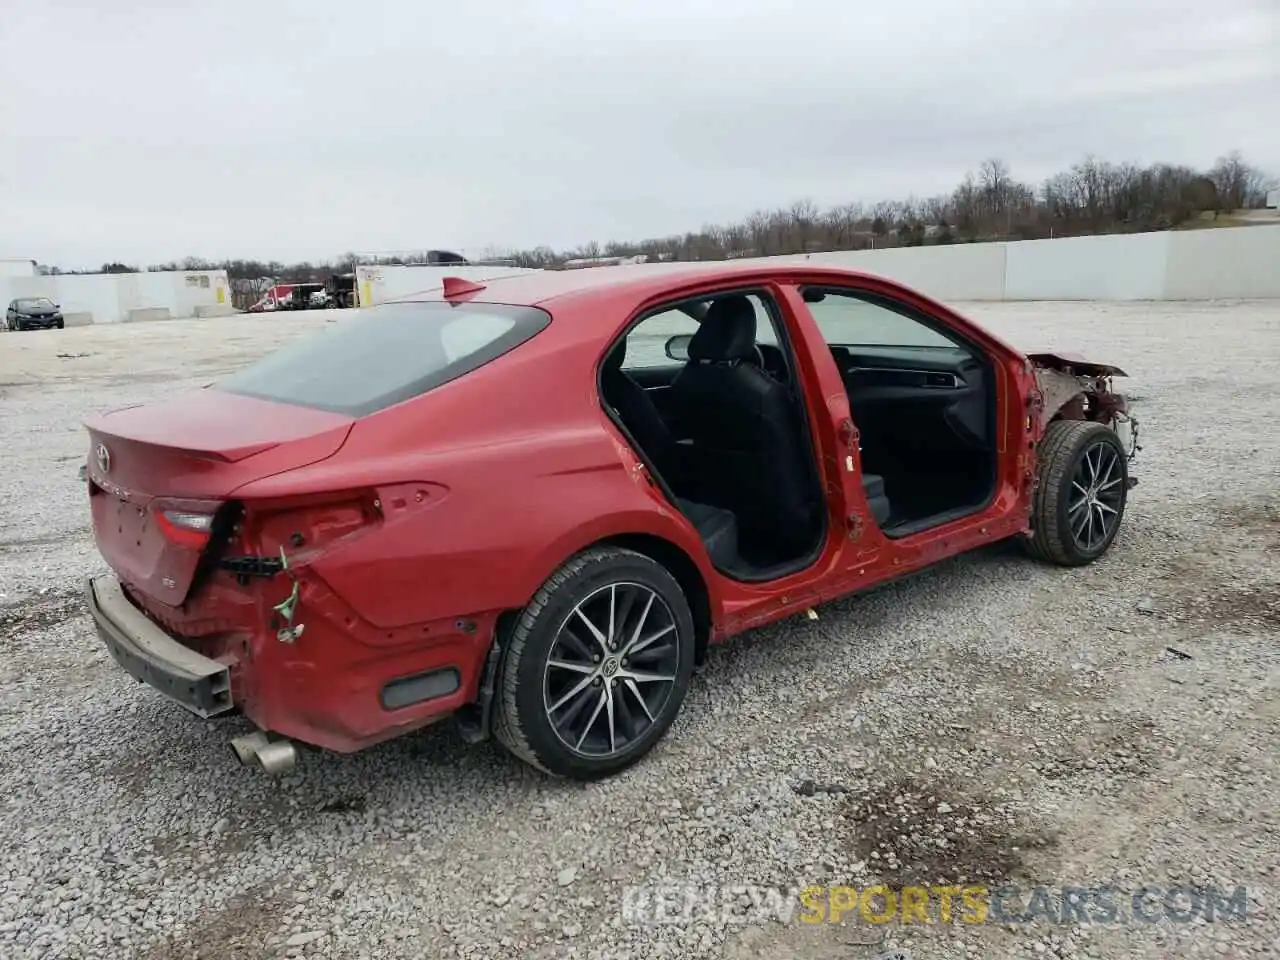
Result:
pixel 274 755
pixel 246 748
pixel 278 756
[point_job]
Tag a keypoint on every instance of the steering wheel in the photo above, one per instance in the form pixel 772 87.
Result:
pixel 759 357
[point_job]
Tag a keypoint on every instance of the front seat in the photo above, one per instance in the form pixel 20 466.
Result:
pixel 750 453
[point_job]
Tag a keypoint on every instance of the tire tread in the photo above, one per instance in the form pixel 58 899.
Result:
pixel 507 726
pixel 1056 455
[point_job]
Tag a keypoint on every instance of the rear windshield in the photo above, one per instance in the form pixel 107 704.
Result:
pixel 383 355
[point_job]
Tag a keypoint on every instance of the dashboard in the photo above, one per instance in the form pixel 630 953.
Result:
pixel 921 384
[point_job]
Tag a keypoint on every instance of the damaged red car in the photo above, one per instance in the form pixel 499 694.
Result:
pixel 532 505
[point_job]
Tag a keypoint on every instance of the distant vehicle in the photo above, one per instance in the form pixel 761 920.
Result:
pixel 302 297
pixel 270 300
pixel 338 291
pixel 532 505
pixel 33 313
pixel 341 290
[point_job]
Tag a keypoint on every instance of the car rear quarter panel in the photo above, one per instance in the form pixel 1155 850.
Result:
pixel 520 469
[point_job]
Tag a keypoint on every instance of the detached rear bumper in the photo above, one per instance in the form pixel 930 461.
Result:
pixel 151 656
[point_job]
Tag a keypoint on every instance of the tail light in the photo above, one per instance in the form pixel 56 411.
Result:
pixel 186 528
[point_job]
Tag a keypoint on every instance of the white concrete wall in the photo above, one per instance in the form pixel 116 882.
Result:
pixel 1116 267
pixel 1206 264
pixel 969 271
pixel 1226 263
pixel 380 284
pixel 122 297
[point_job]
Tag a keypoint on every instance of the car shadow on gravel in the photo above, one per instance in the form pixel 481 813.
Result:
pixel 867 612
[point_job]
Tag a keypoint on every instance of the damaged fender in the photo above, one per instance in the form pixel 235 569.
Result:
pixel 1073 388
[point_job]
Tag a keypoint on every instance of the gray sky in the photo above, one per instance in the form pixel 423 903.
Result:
pixel 304 128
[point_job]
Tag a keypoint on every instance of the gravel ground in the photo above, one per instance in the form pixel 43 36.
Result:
pixel 989 721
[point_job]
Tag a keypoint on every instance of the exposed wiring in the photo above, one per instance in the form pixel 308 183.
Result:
pixel 288 606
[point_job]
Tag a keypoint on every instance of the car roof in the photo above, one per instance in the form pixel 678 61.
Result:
pixel 635 282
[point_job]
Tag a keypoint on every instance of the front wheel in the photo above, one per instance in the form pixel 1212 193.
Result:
pixel 597 667
pixel 1082 486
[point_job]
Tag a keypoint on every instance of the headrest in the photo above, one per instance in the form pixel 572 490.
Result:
pixel 728 332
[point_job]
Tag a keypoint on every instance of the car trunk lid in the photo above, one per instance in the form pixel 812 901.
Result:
pixel 161 477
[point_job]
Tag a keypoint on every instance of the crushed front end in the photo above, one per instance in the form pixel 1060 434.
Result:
pixel 1073 388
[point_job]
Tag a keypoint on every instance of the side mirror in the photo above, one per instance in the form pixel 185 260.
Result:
pixel 678 347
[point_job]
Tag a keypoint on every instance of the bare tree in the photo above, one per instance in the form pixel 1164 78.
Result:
pixel 1091 196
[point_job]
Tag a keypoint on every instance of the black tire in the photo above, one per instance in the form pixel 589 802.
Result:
pixel 15 326
pixel 522 723
pixel 59 324
pixel 1056 519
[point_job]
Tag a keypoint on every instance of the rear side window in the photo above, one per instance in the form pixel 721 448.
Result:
pixel 383 355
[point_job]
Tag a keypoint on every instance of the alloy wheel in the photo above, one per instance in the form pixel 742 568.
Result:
pixel 1097 494
pixel 611 669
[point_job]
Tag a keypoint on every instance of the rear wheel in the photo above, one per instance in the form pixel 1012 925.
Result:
pixel 1082 487
pixel 597 667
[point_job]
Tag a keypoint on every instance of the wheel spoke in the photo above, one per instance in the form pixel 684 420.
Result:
pixel 626 718
pixel 636 648
pixel 1093 465
pixel 576 689
pixel 613 631
pixel 635 692
pixel 589 668
pixel 618 637
pixel 608 704
pixel 650 654
pixel 575 710
pixel 1105 506
pixel 1079 523
pixel 1102 528
pixel 1109 457
pixel 644 617
pixel 575 644
pixel 595 631
pixel 643 676
pixel 604 695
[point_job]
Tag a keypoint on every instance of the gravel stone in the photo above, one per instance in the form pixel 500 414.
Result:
pixel 991 719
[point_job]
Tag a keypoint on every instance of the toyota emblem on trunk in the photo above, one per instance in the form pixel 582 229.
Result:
pixel 104 457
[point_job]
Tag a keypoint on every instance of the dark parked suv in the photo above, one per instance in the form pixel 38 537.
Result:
pixel 33 313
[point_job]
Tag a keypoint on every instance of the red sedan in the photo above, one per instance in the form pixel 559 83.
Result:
pixel 532 505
